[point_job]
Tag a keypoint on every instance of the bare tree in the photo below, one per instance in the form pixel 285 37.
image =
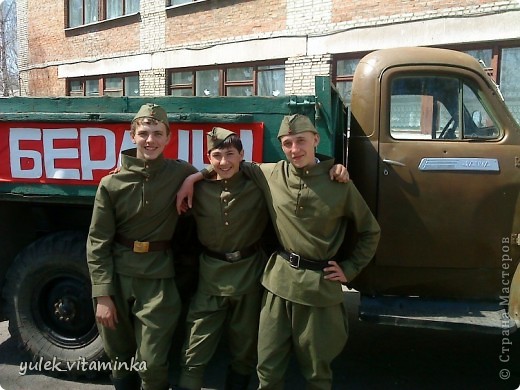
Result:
pixel 8 48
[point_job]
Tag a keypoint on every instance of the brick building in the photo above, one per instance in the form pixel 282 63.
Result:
pixel 243 47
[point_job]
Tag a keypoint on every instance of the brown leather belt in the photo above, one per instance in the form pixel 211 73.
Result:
pixel 143 246
pixel 297 261
pixel 232 257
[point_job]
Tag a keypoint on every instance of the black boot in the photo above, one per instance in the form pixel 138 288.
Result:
pixel 236 381
pixel 131 381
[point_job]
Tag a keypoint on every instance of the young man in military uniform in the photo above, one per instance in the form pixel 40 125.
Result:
pixel 336 172
pixel 231 216
pixel 130 258
pixel 303 308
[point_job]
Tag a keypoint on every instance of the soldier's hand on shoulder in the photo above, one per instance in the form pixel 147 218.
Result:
pixel 185 193
pixel 339 173
pixel 115 170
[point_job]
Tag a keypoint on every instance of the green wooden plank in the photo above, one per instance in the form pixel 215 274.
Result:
pixel 48 193
pixel 120 117
pixel 173 105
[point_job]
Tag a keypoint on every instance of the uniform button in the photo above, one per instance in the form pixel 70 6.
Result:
pixel 147 166
pixel 225 200
pixel 225 189
pixel 301 207
pixel 146 202
pixel 225 214
pixel 306 172
pixel 226 223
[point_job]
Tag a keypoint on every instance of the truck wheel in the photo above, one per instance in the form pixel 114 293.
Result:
pixel 49 305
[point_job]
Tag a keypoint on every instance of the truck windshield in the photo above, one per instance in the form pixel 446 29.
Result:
pixel 438 108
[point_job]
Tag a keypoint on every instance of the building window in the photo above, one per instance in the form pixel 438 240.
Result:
pixel 510 79
pixel 92 87
pixel 131 86
pixel 207 82
pixel 507 59
pixel 127 85
pixel 344 76
pixel 180 2
pixel 117 8
pixel 75 88
pixel 89 11
pixel 484 56
pixel 248 80
pixel 239 81
pixel 501 63
pixel 271 80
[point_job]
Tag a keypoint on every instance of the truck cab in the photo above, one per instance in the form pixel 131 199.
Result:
pixel 435 152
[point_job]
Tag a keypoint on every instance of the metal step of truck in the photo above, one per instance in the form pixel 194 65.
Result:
pixel 487 317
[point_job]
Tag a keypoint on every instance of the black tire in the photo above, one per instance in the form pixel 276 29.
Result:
pixel 49 304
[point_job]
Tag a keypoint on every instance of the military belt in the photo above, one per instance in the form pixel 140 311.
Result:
pixel 297 261
pixel 231 257
pixel 143 246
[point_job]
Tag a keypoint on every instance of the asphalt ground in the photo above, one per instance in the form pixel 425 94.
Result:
pixel 376 357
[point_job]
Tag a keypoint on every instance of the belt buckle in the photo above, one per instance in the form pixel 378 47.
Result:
pixel 233 256
pixel 141 246
pixel 294 260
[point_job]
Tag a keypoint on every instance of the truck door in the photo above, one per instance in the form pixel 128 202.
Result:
pixel 448 186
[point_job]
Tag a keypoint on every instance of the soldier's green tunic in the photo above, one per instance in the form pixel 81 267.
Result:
pixel 139 204
pixel 231 215
pixel 303 311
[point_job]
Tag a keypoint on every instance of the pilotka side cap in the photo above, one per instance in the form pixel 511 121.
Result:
pixel 294 124
pixel 151 110
pixel 216 136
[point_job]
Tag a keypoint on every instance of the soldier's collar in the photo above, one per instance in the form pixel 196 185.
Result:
pixel 130 162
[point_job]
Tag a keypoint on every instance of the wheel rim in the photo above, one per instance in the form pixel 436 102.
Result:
pixel 63 310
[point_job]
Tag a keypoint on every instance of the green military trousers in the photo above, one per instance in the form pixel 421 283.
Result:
pixel 316 335
pixel 207 317
pixel 147 313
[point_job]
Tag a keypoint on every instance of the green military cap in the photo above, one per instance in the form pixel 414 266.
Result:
pixel 151 110
pixel 216 136
pixel 294 124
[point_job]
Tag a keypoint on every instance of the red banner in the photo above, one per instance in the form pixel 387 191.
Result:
pixel 82 153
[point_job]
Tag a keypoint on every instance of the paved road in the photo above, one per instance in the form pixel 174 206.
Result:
pixel 376 357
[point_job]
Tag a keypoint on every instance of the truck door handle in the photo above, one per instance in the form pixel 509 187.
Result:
pixel 393 162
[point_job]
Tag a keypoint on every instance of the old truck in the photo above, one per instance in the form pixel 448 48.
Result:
pixel 427 140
